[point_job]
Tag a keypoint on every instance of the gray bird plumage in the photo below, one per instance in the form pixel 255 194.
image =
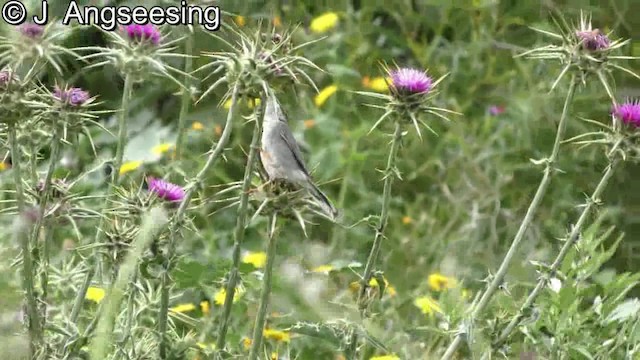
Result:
pixel 281 156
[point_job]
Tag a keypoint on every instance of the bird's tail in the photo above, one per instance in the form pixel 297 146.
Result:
pixel 323 200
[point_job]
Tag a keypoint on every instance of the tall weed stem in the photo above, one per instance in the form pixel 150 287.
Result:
pixel 152 222
pixel 389 174
pixel 115 176
pixel 594 199
pixel 186 95
pixel 266 290
pixel 34 325
pixel 214 155
pixel 239 230
pixel 528 218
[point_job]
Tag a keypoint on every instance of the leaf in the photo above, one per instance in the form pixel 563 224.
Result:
pixel 623 312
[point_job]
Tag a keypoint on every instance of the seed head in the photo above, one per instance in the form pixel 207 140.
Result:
pixel 410 81
pixel 148 32
pixel 165 190
pixel 71 96
pixel 628 112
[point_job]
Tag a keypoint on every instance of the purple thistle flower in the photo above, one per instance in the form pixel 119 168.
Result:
pixel 149 32
pixel 72 96
pixel 165 189
pixel 495 110
pixel 593 40
pixel 628 112
pixel 411 81
pixel 31 30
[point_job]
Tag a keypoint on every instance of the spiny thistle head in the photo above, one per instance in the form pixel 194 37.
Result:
pixel 411 95
pixel 628 112
pixel 72 96
pixel 582 48
pixel 141 33
pixel 257 59
pixel 165 190
pixel 30 42
pixel 16 97
pixel 408 81
pixel 140 51
pixel 31 31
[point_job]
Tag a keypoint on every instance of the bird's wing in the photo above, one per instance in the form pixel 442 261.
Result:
pixel 288 138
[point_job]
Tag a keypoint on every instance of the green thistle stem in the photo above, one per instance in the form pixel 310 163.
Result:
pixel 571 240
pixel 214 155
pixel 35 329
pixel 186 96
pixel 266 290
pixel 115 176
pixel 528 218
pixel 384 215
pixel 238 234
pixel 152 222
pixel 56 147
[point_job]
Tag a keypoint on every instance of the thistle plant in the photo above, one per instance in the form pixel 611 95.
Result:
pixel 138 51
pixel 412 92
pixel 584 52
pixel 256 62
pixel 186 96
pixel 621 143
pixel 31 45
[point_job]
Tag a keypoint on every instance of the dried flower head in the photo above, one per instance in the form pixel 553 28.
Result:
pixel 410 81
pixel 6 77
pixel 31 30
pixel 147 32
pixel 628 112
pixel 166 190
pixel 71 96
pixel 593 40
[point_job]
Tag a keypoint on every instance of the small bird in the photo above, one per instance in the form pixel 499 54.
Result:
pixel 281 156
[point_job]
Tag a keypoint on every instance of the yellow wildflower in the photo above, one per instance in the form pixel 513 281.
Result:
pixel 324 22
pixel 183 308
pixel 308 124
pixel 384 357
pixel 197 125
pixel 250 103
pixel 407 220
pixel 205 307
pixel 240 21
pixel 378 83
pixel 277 22
pixel 439 282
pixel 221 295
pixel 427 305
pixel 388 288
pixel 322 269
pixel 129 166
pixel 4 166
pixel 94 294
pixel 162 148
pixel 203 346
pixel 274 356
pixel 246 343
pixel 277 335
pixel 355 286
pixel 325 94
pixel 257 259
